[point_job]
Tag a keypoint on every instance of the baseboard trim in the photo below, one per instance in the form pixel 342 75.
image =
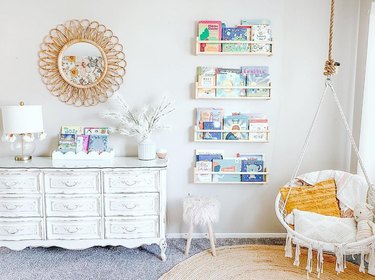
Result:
pixel 229 235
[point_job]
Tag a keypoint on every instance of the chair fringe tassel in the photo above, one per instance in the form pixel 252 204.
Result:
pixel 288 246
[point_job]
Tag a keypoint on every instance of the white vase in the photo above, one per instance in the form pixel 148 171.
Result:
pixel 146 149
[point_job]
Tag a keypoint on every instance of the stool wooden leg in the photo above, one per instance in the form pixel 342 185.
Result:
pixel 190 236
pixel 212 239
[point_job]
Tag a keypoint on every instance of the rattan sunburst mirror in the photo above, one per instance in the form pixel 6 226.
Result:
pixel 82 62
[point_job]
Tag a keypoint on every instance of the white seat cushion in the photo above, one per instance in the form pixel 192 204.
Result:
pixel 323 228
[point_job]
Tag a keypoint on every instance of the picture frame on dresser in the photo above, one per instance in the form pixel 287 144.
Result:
pixel 80 205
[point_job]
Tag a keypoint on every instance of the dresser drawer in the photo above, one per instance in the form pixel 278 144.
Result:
pixel 73 228
pixel 19 182
pixel 72 182
pixel 29 206
pixel 132 204
pixel 20 229
pixel 73 206
pixel 130 181
pixel 146 227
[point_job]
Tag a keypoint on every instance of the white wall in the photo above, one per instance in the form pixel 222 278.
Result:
pixel 158 40
pixel 368 113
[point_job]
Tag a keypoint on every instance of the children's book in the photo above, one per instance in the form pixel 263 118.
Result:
pixel 67 138
pixel 82 143
pixel 204 166
pixel 208 115
pixel 251 156
pixel 96 131
pixel 208 155
pixel 209 30
pixel 98 143
pixel 206 80
pixel 236 34
pixel 226 165
pixel 252 166
pixel 258 123
pixel 257 76
pixel 71 130
pixel 261 33
pixel 229 78
pixel 212 135
pixel 236 123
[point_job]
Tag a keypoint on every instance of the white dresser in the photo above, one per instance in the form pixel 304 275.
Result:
pixel 80 205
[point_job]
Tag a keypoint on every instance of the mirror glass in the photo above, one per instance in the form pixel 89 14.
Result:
pixel 82 64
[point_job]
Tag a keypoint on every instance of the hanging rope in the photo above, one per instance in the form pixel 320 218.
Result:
pixel 330 65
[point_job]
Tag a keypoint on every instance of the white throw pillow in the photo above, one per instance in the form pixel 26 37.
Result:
pixel 323 228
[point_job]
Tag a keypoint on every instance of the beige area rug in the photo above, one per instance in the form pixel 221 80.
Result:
pixel 258 262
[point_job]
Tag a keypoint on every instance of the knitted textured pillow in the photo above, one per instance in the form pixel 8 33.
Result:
pixel 323 228
pixel 319 198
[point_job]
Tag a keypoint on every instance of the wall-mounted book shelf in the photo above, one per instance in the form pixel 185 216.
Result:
pixel 197 180
pixel 198 95
pixel 254 136
pixel 199 52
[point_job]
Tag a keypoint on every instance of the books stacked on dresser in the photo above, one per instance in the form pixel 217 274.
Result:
pixel 212 124
pixel 256 34
pixel 78 139
pixel 212 167
pixel 246 81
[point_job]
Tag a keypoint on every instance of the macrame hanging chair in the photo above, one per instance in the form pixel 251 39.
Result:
pixel 365 247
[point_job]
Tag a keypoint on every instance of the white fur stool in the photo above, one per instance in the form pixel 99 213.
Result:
pixel 201 211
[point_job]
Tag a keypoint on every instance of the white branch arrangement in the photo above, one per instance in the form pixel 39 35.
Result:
pixel 141 122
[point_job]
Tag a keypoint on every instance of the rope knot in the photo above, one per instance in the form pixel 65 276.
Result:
pixel 329 68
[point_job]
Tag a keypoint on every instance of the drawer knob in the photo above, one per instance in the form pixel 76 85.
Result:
pixel 11 206
pixel 12 230
pixel 129 183
pixel 129 206
pixel 72 230
pixel 9 184
pixel 71 185
pixel 128 229
pixel 71 207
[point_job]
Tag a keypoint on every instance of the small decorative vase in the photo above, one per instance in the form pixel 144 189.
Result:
pixel 146 149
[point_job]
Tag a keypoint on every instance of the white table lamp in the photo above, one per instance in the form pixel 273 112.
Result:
pixel 22 122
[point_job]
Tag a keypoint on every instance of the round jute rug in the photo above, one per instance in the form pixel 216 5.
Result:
pixel 258 262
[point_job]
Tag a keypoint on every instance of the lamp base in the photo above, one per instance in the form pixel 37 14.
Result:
pixel 23 158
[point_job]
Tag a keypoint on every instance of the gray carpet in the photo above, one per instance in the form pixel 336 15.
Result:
pixel 103 262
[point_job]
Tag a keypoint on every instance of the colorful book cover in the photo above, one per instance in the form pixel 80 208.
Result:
pixel 235 34
pixel 257 76
pixel 209 30
pixel 226 165
pixel 67 147
pixel 98 143
pixel 96 131
pixel 212 135
pixel 206 80
pixel 257 123
pixel 71 129
pixel 235 124
pixel 208 155
pixel 204 166
pixel 230 78
pixel 252 166
pixel 208 115
pixel 251 156
pixel 67 138
pixel 82 143
pixel 261 33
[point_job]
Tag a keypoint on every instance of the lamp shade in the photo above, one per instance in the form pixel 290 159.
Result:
pixel 22 119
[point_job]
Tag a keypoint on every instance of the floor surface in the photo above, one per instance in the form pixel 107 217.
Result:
pixel 108 263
